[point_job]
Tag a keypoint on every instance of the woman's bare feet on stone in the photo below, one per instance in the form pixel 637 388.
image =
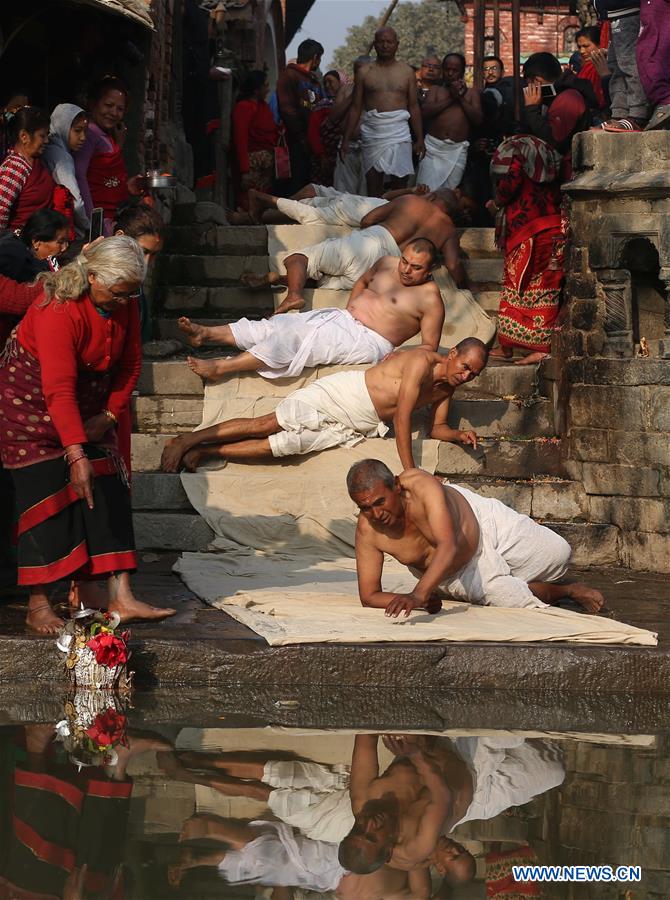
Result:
pixel 255 206
pixel 173 452
pixel 196 335
pixel 591 599
pixel 207 369
pixel 41 618
pixel 123 602
pixel 531 359
pixel 192 460
pixel 501 353
pixel 89 594
pixel 291 301
pixel 256 282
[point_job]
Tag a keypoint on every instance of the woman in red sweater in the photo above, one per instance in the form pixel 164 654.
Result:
pixel 255 135
pixel 25 182
pixel 66 375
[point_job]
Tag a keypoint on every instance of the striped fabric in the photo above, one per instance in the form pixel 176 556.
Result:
pixel 14 173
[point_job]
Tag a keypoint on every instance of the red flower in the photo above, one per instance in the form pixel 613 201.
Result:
pixel 108 728
pixel 109 650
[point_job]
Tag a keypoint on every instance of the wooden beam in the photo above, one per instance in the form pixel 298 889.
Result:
pixel 496 28
pixel 478 41
pixel 516 56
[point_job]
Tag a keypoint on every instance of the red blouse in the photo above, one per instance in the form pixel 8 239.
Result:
pixel 254 128
pixel 72 337
pixel 530 207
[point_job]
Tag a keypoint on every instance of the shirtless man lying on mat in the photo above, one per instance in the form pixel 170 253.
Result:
pixel 341 409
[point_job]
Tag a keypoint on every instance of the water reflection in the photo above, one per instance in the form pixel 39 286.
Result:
pixel 195 813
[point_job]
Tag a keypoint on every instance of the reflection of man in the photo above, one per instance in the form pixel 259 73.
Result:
pixel 400 814
pixel 338 263
pixel 385 101
pixel 389 304
pixel 450 113
pixel 470 547
pixel 340 409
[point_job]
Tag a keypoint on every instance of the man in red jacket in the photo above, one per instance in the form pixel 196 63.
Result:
pixel 298 89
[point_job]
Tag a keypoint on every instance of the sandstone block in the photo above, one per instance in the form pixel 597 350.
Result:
pixel 487 271
pixel 631 513
pixel 659 408
pixel 558 501
pixel 581 286
pixel 584 314
pixel 159 491
pixel 511 493
pixel 502 417
pixel 171 531
pixel 626 371
pixel 589 444
pixel 146 451
pixel 592 544
pixel 606 407
pixel 162 413
pixel 169 377
pixel 640 448
pixel 646 552
pixel 500 459
pixel 633 481
pixel 185 298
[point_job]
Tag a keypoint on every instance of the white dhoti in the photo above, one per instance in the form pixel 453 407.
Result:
pixel 386 142
pixel 281 858
pixel 333 411
pixel 337 209
pixel 507 771
pixel 289 342
pixel 444 163
pixel 338 263
pixel 349 175
pixel 513 551
pixel 313 798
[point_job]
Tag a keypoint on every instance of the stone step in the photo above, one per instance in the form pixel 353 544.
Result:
pixel 175 378
pixel 479 242
pixel 171 531
pixel 213 269
pixel 525 459
pixel 489 417
pixel 215 301
pixel 222 239
pixel 201 213
pixel 554 503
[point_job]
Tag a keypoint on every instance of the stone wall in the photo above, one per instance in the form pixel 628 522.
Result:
pixel 611 359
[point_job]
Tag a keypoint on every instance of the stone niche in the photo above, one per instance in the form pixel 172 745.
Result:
pixel 611 358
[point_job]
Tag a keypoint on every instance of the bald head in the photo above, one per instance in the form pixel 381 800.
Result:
pixel 386 44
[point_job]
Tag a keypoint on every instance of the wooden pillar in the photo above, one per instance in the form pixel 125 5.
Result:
pixel 478 43
pixel 496 28
pixel 516 54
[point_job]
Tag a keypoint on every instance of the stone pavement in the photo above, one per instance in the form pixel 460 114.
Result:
pixel 203 649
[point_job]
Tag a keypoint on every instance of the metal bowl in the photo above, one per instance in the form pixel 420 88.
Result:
pixel 160 180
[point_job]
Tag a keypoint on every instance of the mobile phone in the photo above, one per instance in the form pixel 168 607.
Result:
pixel 547 91
pixel 97 228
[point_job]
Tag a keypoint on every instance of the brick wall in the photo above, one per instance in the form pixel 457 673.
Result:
pixel 549 30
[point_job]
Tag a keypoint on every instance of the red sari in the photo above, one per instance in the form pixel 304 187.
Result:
pixel 531 234
pixel 64 364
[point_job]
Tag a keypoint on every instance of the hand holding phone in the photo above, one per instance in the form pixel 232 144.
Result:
pixel 97 227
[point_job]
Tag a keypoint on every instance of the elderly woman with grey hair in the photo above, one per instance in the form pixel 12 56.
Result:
pixel 66 375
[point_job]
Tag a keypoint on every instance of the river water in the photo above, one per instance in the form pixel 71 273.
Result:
pixel 182 811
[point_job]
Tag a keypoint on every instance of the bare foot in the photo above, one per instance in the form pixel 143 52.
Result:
pixel 192 460
pixel 172 454
pixel 501 353
pixel 43 620
pixel 198 826
pixel 591 599
pixel 291 301
pixel 239 217
pixel 531 359
pixel 256 282
pixel 132 610
pixel 255 206
pixel 89 594
pixel 196 335
pixel 175 871
pixel 207 369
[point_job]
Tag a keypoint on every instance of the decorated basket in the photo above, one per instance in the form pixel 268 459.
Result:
pixel 94 724
pixel 96 652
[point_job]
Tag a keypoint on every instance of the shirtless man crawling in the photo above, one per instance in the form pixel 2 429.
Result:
pixel 449 114
pixel 389 304
pixel 342 408
pixel 338 263
pixel 457 543
pixel 384 102
pixel 399 815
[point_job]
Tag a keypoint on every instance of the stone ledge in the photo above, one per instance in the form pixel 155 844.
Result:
pixel 635 481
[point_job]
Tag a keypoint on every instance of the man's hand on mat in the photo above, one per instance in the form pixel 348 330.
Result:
pixel 407 602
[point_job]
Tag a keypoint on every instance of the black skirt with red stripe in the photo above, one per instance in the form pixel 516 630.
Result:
pixel 59 536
